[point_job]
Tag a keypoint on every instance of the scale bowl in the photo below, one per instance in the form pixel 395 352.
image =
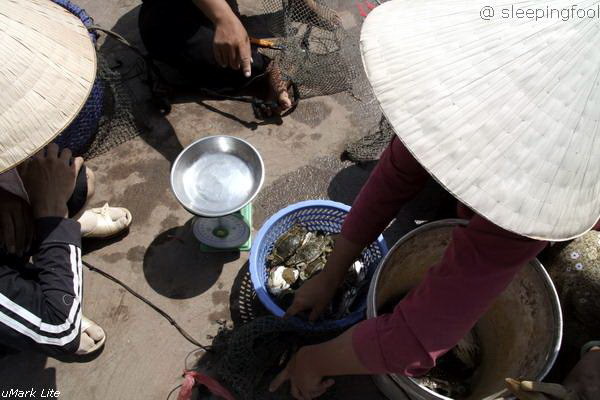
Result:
pixel 217 175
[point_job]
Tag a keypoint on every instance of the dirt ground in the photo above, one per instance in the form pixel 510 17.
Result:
pixel 144 355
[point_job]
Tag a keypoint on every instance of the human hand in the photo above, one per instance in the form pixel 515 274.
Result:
pixel 306 382
pixel 313 296
pixel 16 224
pixel 582 383
pixel 49 178
pixel 528 390
pixel 584 378
pixel 231 45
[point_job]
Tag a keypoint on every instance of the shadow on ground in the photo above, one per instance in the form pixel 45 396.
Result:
pixel 175 267
pixel 27 371
pixel 347 182
pixel 153 127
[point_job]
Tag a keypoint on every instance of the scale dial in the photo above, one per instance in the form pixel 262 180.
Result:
pixel 225 232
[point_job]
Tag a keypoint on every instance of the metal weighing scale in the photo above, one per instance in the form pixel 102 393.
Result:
pixel 216 178
pixel 231 232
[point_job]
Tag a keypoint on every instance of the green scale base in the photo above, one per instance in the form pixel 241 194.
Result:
pixel 246 215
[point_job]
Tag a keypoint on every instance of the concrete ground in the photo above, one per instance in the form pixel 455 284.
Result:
pixel 144 355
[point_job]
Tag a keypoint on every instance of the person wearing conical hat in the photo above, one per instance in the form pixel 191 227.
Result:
pixel 504 113
pixel 47 72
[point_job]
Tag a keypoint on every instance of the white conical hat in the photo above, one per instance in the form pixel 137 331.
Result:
pixel 504 112
pixel 47 69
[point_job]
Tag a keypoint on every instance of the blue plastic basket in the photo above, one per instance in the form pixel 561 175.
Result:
pixel 315 215
pixel 79 135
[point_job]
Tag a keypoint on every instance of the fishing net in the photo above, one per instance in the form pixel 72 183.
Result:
pixel 320 52
pixel 117 122
pixel 312 41
pixel 370 147
pixel 246 359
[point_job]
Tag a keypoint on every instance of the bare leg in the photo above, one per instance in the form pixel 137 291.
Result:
pixel 278 90
pixel 91 183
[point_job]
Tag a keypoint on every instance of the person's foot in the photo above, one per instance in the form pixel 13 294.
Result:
pixel 92 337
pixel 278 92
pixel 104 222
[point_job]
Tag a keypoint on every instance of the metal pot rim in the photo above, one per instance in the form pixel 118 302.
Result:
pixel 410 384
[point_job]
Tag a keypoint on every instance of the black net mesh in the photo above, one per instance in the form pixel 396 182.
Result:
pixel 117 123
pixel 246 359
pixel 370 147
pixel 320 53
pixel 313 43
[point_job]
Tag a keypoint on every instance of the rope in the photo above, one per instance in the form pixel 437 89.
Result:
pixel 174 323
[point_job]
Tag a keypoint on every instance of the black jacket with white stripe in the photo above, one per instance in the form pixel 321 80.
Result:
pixel 40 301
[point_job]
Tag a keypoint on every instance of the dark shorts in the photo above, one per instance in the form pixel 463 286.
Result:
pixel 180 35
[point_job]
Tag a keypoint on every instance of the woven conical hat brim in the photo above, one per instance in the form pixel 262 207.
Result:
pixel 47 69
pixel 504 113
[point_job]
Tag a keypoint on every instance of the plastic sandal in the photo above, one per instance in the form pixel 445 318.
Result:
pixel 105 227
pixel 86 323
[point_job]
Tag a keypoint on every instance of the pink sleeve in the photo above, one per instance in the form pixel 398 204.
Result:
pixel 479 263
pixel 396 179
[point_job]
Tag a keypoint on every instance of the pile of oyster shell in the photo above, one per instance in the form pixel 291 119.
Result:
pixel 300 254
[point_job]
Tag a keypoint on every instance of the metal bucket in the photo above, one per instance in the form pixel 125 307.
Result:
pixel 520 335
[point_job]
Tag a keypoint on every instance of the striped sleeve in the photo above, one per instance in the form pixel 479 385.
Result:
pixel 40 302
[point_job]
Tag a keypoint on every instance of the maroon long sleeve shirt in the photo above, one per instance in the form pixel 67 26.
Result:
pixel 479 263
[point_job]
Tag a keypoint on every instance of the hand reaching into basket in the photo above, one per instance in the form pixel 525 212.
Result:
pixel 315 295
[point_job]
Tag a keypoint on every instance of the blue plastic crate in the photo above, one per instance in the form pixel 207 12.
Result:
pixel 315 215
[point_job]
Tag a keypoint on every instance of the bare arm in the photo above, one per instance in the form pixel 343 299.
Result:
pixel 397 178
pixel 311 364
pixel 231 42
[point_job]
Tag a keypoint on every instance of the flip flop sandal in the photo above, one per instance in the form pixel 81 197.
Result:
pixel 86 323
pixel 105 226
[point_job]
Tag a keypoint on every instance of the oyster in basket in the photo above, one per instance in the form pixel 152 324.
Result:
pixel 281 280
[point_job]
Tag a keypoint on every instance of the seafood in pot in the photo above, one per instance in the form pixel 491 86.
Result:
pixel 453 374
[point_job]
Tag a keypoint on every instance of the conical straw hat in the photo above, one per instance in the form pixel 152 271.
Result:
pixel 47 69
pixel 502 112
